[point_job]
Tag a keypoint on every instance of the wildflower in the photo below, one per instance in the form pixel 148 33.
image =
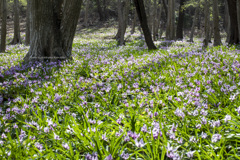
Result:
pixel 216 137
pixel 57 97
pixel 140 143
pixel 127 138
pixel 104 137
pixel 125 156
pixel 46 130
pixel 39 146
pixel 227 118
pixel 109 157
pixel 198 126
pixel 60 112
pixel 179 113
pixel 56 137
pixel 65 145
pixel 204 135
pixel 144 128
pixel 190 154
pixel 238 110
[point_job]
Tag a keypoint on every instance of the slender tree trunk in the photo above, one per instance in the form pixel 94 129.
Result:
pixel 27 39
pixel 227 21
pixel 53 27
pixel 170 32
pixel 134 22
pixel 4 25
pixel 217 37
pixel 144 24
pixel 179 34
pixel 165 7
pixel 194 23
pixel 123 11
pixel 232 5
pixel 206 23
pixel 16 38
pixel 100 12
pixel 154 19
pixel 86 13
pixel 158 21
pixel 238 13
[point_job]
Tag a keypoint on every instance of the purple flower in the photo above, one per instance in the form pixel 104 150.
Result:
pixel 46 130
pixel 127 138
pixel 125 156
pixel 190 154
pixel 109 157
pixel 204 135
pixel 227 118
pixel 1 99
pixel 216 137
pixel 140 143
pixel 66 146
pixel 39 146
pixel 144 128
pixel 178 112
pixel 57 97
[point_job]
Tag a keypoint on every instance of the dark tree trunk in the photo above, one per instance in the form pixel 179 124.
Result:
pixel 194 23
pixel 234 37
pixel 217 37
pixel 100 11
pixel 165 7
pixel 27 39
pixel 144 24
pixel 4 25
pixel 16 38
pixel 53 26
pixel 179 34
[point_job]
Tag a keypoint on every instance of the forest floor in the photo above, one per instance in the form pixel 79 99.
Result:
pixel 122 102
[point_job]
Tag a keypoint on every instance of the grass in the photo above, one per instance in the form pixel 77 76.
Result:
pixel 111 102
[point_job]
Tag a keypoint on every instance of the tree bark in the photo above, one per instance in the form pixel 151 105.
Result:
pixel 158 21
pixel 154 24
pixel 123 11
pixel 206 23
pixel 4 25
pixel 179 34
pixel 53 26
pixel 86 13
pixel 234 35
pixel 217 37
pixel 227 21
pixel 100 11
pixel 27 39
pixel 238 13
pixel 17 37
pixel 144 24
pixel 134 22
pixel 194 23
pixel 170 32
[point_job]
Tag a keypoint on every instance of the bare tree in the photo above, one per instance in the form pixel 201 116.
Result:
pixel 206 23
pixel 144 23
pixel 194 22
pixel 170 32
pixel 217 37
pixel 17 37
pixel 53 26
pixel 234 35
pixel 4 25
pixel 27 39
pixel 86 12
pixel 179 34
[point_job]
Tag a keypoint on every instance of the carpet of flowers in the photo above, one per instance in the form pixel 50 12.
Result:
pixel 111 102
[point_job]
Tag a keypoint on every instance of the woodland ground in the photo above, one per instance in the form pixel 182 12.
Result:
pixel 122 102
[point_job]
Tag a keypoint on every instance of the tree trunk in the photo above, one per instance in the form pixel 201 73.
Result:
pixel 27 39
pixel 86 13
pixel 238 13
pixel 165 8
pixel 206 23
pixel 154 20
pixel 180 21
pixel 234 38
pixel 144 24
pixel 123 11
pixel 194 23
pixel 4 25
pixel 134 22
pixel 53 26
pixel 227 21
pixel 100 12
pixel 217 37
pixel 158 21
pixel 16 38
pixel 170 32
